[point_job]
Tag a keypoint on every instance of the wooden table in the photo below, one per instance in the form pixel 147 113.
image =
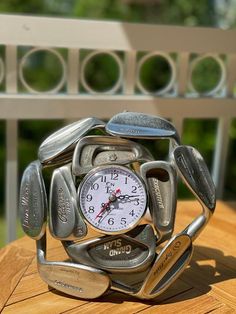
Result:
pixel 208 285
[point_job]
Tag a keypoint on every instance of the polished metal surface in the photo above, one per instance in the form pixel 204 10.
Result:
pixel 92 151
pixel 161 180
pixel 130 252
pixel 195 174
pixel 65 221
pixel 59 146
pixel 140 125
pixel 128 258
pixel 33 201
pixel 73 279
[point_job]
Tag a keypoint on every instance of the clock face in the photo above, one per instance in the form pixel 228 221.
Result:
pixel 112 199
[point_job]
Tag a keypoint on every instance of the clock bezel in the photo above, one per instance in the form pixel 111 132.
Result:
pixel 92 173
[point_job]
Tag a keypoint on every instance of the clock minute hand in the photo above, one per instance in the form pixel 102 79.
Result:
pixel 126 197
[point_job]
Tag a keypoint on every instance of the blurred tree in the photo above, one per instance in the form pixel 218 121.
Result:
pixel 171 12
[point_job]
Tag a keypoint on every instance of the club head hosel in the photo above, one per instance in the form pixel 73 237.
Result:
pixel 199 223
pixel 41 245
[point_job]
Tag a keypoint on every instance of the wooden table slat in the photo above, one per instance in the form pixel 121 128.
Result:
pixel 13 263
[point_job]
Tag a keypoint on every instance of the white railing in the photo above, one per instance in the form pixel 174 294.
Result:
pixel 130 46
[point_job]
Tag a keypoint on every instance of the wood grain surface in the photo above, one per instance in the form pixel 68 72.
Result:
pixel 208 285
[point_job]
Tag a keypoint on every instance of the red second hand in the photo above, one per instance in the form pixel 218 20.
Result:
pixel 107 203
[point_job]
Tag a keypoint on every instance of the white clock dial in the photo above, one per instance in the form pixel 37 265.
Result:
pixel 112 199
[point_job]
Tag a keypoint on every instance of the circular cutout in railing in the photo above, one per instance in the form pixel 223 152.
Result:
pixel 156 73
pixel 2 70
pixel 42 70
pixel 207 75
pixel 102 72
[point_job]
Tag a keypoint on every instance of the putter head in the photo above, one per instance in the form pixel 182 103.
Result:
pixel 65 221
pixel 92 151
pixel 58 147
pixel 73 279
pixel 33 201
pixel 161 180
pixel 194 172
pixel 130 252
pixel 140 125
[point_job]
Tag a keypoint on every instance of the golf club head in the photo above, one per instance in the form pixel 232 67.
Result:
pixel 65 221
pixel 140 125
pixel 73 279
pixel 194 172
pixel 33 201
pixel 167 267
pixel 128 283
pixel 92 151
pixel 161 180
pixel 59 146
pixel 130 252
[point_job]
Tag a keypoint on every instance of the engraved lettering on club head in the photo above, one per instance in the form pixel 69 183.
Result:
pixel 127 249
pixel 129 131
pixel 156 191
pixel 25 205
pixel 66 285
pixel 30 203
pixel 169 254
pixel 112 244
pixel 63 206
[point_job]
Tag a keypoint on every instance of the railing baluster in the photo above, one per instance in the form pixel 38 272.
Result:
pixel 11 148
pixel 231 74
pixel 130 78
pixel 220 155
pixel 178 122
pixel 183 63
pixel 73 71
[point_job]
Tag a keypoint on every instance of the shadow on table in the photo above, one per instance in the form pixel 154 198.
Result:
pixel 195 281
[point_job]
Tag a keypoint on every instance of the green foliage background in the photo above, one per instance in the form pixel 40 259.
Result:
pixel 201 134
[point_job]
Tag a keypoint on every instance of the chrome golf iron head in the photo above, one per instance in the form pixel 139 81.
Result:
pixel 74 279
pixel 195 174
pixel 92 151
pixel 161 181
pixel 140 125
pixel 130 252
pixel 58 147
pixel 65 221
pixel 33 201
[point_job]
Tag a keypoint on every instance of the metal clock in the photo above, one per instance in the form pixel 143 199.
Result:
pixel 112 199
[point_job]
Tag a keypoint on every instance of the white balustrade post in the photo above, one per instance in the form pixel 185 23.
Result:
pixel 220 155
pixel 11 148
